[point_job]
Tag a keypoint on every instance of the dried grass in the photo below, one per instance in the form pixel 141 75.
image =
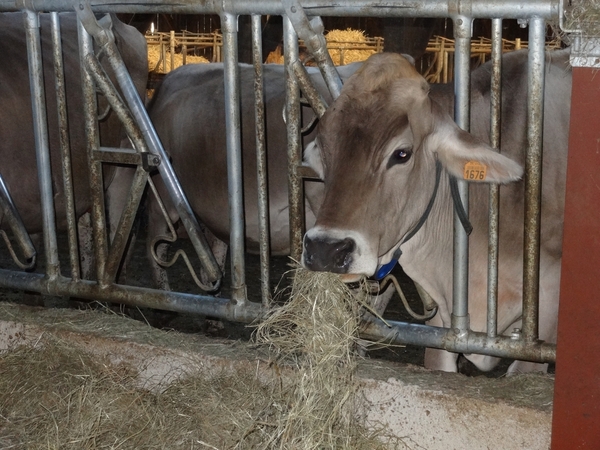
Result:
pixel 583 15
pixel 316 333
pixel 336 41
pixel 56 397
pixel 347 38
pixel 165 66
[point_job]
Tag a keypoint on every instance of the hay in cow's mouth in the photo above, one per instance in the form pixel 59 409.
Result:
pixel 316 332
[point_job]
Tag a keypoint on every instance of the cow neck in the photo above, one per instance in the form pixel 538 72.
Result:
pixel 385 269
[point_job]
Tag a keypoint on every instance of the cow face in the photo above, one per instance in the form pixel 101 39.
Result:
pixel 376 151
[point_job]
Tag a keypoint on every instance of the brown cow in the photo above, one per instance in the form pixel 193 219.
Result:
pixel 377 148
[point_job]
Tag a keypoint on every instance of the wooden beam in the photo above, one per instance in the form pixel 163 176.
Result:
pixel 576 416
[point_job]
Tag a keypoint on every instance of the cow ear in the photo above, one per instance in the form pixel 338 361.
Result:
pixel 409 58
pixel 467 157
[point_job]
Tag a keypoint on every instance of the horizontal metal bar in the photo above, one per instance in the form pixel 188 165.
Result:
pixel 117 156
pixel 131 295
pixel 513 9
pixel 396 333
pixel 307 172
pixel 463 342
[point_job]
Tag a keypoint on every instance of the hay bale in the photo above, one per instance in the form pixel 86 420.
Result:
pixel 165 66
pixel 340 45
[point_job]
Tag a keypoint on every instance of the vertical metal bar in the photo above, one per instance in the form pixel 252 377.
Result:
pixel 90 109
pixel 292 110
pixel 234 156
pixel 172 49
pixel 261 161
pixel 533 178
pixel 40 129
pixel 494 202
pixel 63 129
pixel 462 92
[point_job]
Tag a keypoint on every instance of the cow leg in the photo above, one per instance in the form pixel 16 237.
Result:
pixel 549 289
pixel 219 250
pixel 436 359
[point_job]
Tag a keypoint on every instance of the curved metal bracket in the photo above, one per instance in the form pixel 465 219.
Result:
pixel 429 305
pixel 172 237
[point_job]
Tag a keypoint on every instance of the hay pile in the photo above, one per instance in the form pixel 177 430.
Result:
pixel 165 66
pixel 316 332
pixel 54 396
pixel 341 45
pixel 338 40
pixel 583 15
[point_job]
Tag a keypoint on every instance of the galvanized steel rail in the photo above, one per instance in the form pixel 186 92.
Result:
pixel 459 338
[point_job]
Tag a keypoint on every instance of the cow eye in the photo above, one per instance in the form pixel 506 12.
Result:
pixel 400 156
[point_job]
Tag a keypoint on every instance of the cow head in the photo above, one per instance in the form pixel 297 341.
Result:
pixel 376 150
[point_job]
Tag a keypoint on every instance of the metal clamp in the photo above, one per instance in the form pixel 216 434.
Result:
pixel 311 32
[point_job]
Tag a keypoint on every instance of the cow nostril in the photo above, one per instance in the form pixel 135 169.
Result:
pixel 328 255
pixel 342 254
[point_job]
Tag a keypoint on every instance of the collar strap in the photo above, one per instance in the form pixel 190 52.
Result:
pixel 459 207
pixel 385 269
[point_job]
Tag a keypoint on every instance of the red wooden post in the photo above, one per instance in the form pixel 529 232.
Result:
pixel 576 417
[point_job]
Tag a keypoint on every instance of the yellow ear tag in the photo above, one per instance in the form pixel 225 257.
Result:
pixel 474 171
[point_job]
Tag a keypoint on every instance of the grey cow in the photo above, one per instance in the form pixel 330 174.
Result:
pixel 17 150
pixel 189 115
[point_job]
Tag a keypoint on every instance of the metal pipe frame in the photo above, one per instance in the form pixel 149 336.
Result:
pixel 293 123
pixel 494 196
pixel 132 296
pixel 315 43
pixel 509 9
pixel 458 338
pixel 234 156
pixel 63 130
pixel 138 110
pixel 261 162
pixel 121 234
pixel 40 130
pixel 533 178
pixel 462 108
pixel 90 109
pixel 12 218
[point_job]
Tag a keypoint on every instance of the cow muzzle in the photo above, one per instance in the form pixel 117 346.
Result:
pixel 322 254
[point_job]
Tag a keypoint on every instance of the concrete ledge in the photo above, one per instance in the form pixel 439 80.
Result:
pixel 428 410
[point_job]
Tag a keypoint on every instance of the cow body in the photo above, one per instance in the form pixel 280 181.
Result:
pixel 188 113
pixel 17 148
pixel 376 150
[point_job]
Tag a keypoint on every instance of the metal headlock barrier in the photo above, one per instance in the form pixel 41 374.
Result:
pixel 301 20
